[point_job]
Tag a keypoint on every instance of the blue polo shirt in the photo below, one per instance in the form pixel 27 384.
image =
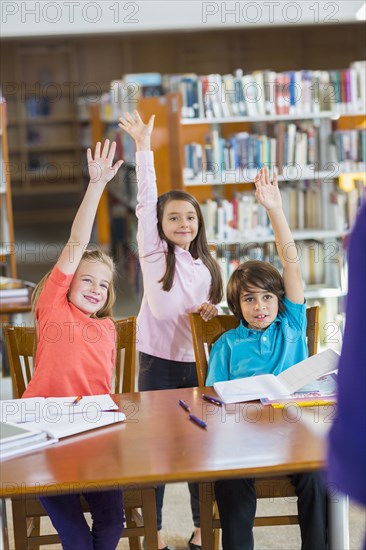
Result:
pixel 243 352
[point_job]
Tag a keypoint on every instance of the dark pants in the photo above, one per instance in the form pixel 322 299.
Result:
pixel 163 374
pixel 237 502
pixel 67 517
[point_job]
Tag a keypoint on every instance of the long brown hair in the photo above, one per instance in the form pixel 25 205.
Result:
pixel 252 274
pixel 89 256
pixel 198 248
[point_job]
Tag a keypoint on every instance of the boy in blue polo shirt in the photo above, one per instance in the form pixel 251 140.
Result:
pixel 271 338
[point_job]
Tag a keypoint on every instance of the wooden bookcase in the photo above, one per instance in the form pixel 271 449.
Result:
pixel 184 131
pixel 44 134
pixel 7 245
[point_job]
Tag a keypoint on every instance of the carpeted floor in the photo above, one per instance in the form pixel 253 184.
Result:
pixel 178 524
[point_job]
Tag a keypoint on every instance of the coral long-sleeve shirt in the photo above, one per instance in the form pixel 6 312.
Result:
pixel 75 353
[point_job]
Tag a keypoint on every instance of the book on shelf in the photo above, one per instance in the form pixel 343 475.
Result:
pixel 20 439
pixel 321 392
pixel 286 383
pixel 267 93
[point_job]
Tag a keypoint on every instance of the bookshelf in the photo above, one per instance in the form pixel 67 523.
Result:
pixel 43 134
pixel 7 245
pixel 320 199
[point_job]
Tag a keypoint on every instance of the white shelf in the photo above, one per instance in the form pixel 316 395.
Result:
pixel 291 173
pixel 312 293
pixel 303 235
pixel 323 292
pixel 268 118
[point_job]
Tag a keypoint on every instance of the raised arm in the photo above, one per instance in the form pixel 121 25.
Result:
pixel 101 171
pixel 138 130
pixel 269 196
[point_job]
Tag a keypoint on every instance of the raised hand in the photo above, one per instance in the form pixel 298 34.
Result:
pixel 101 167
pixel 137 129
pixel 267 193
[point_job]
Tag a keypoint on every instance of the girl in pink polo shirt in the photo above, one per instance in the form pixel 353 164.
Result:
pixel 180 276
pixel 76 352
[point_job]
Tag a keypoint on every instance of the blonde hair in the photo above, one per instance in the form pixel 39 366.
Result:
pixel 89 256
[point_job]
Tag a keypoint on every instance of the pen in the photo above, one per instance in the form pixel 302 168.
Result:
pixel 77 400
pixel 197 421
pixel 184 405
pixel 212 400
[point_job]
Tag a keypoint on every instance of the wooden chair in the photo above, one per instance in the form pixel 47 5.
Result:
pixel 204 335
pixel 27 512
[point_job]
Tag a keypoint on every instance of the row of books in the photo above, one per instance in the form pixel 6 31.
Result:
pixel 311 205
pixel 124 94
pixel 350 145
pixel 262 93
pixel 289 145
pixel 322 264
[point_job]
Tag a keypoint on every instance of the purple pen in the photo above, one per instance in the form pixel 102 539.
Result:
pixel 213 400
pixel 184 405
pixel 197 421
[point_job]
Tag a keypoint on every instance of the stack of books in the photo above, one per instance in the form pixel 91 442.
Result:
pixel 18 439
pixel 12 290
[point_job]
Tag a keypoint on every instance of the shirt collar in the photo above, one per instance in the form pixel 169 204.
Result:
pixel 244 331
pixel 179 251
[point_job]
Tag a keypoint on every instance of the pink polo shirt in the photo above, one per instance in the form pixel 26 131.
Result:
pixel 163 327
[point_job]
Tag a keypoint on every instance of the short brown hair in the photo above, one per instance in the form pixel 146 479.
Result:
pixel 89 256
pixel 252 274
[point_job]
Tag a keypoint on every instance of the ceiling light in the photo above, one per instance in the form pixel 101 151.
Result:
pixel 361 13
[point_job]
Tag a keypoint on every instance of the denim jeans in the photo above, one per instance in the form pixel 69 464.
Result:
pixel 66 514
pixel 237 502
pixel 163 374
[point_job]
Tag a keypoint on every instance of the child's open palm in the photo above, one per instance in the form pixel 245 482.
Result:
pixel 135 126
pixel 267 193
pixel 101 167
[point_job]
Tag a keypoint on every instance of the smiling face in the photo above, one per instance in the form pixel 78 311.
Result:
pixel 89 286
pixel 180 223
pixel 259 307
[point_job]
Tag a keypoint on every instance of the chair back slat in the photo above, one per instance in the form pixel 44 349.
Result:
pixel 207 333
pixel 21 346
pixel 125 355
pixel 312 330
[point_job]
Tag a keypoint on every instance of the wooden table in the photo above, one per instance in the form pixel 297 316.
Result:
pixel 159 444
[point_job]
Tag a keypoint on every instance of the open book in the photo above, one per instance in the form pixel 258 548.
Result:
pixel 270 386
pixel 36 409
pixel 30 424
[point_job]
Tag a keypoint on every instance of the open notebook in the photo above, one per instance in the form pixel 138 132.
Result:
pixel 270 386
pixel 30 424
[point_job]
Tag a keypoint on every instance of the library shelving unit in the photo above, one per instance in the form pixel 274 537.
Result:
pixel 7 246
pixel 44 142
pixel 323 244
